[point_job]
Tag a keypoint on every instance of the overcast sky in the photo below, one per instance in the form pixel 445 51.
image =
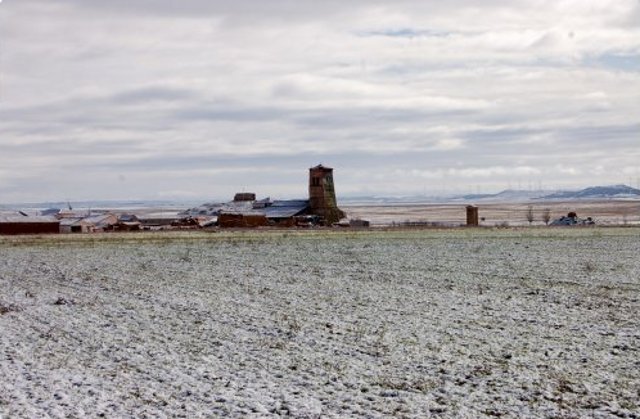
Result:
pixel 190 99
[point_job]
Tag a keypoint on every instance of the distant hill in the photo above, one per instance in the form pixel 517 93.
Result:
pixel 508 195
pixel 390 200
pixel 598 192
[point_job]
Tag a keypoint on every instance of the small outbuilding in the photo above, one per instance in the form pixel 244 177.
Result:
pixel 244 196
pixel 472 216
pixel 242 220
pixel 19 224
pixel 571 219
pixel 102 222
pixel 74 225
pixel 284 213
pixel 89 224
pixel 158 221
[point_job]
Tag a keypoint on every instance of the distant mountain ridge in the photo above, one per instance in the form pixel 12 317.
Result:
pixel 592 192
pixel 508 195
pixel 595 192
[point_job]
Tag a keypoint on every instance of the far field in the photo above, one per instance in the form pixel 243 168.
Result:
pixel 605 212
pixel 441 323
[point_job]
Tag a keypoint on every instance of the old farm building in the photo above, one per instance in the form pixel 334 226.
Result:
pixel 20 224
pixel 247 211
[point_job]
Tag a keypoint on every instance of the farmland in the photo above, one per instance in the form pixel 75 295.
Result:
pixel 415 323
pixel 605 212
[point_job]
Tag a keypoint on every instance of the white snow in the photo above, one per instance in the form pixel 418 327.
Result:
pixel 464 323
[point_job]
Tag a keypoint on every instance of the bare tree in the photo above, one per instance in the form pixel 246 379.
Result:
pixel 546 216
pixel 530 214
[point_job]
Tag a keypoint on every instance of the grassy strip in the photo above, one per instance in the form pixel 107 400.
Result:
pixel 309 234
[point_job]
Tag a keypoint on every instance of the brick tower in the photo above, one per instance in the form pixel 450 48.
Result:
pixel 322 195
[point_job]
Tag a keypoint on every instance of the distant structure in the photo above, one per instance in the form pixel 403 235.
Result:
pixel 244 196
pixel 20 224
pixel 246 211
pixel 472 215
pixel 572 220
pixel 322 195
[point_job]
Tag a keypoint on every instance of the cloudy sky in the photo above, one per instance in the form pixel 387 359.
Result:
pixel 190 99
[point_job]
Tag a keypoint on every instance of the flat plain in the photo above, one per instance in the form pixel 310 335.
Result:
pixel 531 322
pixel 605 212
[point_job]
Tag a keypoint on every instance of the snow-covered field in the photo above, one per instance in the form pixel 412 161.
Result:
pixel 457 323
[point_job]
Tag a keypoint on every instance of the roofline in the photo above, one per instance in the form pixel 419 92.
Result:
pixel 321 166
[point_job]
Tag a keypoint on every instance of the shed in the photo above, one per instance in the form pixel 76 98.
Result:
pixel 242 220
pixel 50 212
pixel 472 215
pixel 244 196
pixel 74 225
pixel 160 220
pixel 90 224
pixel 280 212
pixel 14 225
pixel 102 222
pixel 128 222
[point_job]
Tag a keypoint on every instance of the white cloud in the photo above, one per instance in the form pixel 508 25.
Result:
pixel 416 90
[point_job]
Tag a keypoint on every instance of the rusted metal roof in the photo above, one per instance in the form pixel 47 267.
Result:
pixel 19 219
pixel 266 207
pixel 286 209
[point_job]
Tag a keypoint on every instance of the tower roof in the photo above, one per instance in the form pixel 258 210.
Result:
pixel 321 167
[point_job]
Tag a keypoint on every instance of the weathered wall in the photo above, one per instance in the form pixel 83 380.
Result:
pixel 242 220
pixel 29 228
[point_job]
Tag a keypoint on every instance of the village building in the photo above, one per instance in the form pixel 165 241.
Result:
pixel 279 213
pixel 244 196
pixel 128 222
pixel 101 222
pixel 247 211
pixel 73 225
pixel 159 220
pixel 572 219
pixel 242 220
pixel 90 224
pixel 286 213
pixel 50 212
pixel 21 224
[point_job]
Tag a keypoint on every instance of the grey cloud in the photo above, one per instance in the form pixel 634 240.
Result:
pixel 70 147
pixel 616 137
pixel 415 91
pixel 339 118
pixel 102 111
pixel 208 112
pixel 406 33
pixel 273 7
pixel 149 94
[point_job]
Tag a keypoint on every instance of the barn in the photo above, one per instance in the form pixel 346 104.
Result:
pixel 19 224
pixel 284 213
pixel 242 220
pixel 90 224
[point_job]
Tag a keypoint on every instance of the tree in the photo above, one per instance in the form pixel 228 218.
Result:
pixel 546 216
pixel 530 214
